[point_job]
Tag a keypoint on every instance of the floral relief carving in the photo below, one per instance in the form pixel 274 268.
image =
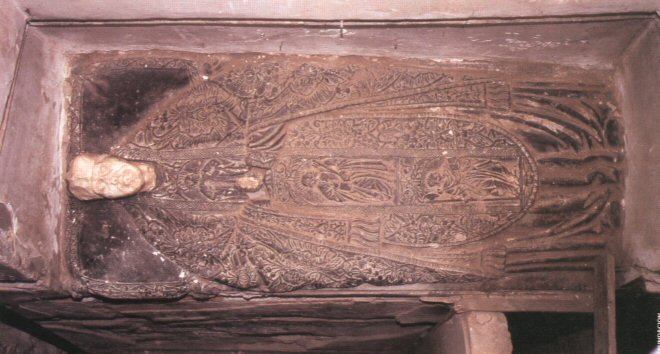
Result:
pixel 334 181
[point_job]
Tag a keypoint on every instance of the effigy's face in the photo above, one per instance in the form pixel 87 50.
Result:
pixel 100 176
pixel 115 178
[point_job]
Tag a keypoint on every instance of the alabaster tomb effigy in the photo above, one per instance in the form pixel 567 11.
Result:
pixel 304 187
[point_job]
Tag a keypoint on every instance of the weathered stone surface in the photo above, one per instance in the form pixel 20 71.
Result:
pixel 329 10
pixel 31 143
pixel 639 79
pixel 14 341
pixel 12 34
pixel 230 324
pixel 470 333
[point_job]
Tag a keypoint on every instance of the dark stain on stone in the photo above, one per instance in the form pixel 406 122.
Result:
pixel 113 102
pixel 110 251
pixel 540 142
pixel 616 213
pixel 613 133
pixel 5 218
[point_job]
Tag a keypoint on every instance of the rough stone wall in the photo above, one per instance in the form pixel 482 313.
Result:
pixel 327 10
pixel 30 176
pixel 11 34
pixel 639 80
pixel 232 324
pixel 14 341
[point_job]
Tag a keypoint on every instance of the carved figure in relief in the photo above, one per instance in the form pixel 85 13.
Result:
pixel 340 180
pixel 265 187
pixel 98 176
pixel 285 239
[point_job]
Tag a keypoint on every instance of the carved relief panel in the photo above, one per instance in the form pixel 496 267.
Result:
pixel 277 173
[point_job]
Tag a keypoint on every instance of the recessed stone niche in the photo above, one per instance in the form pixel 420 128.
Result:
pixel 326 186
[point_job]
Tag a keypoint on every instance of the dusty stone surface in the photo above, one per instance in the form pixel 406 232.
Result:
pixel 471 332
pixel 589 43
pixel 328 10
pixel 488 332
pixel 368 324
pixel 11 35
pixel 32 142
pixel 639 78
pixel 15 341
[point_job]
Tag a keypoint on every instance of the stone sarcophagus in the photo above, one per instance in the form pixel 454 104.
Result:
pixel 281 182
pixel 279 172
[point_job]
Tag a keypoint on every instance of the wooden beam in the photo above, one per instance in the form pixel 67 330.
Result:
pixel 604 305
pixel 519 302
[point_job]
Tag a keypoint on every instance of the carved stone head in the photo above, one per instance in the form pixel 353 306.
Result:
pixel 98 176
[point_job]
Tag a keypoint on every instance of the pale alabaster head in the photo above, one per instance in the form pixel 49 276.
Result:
pixel 99 176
